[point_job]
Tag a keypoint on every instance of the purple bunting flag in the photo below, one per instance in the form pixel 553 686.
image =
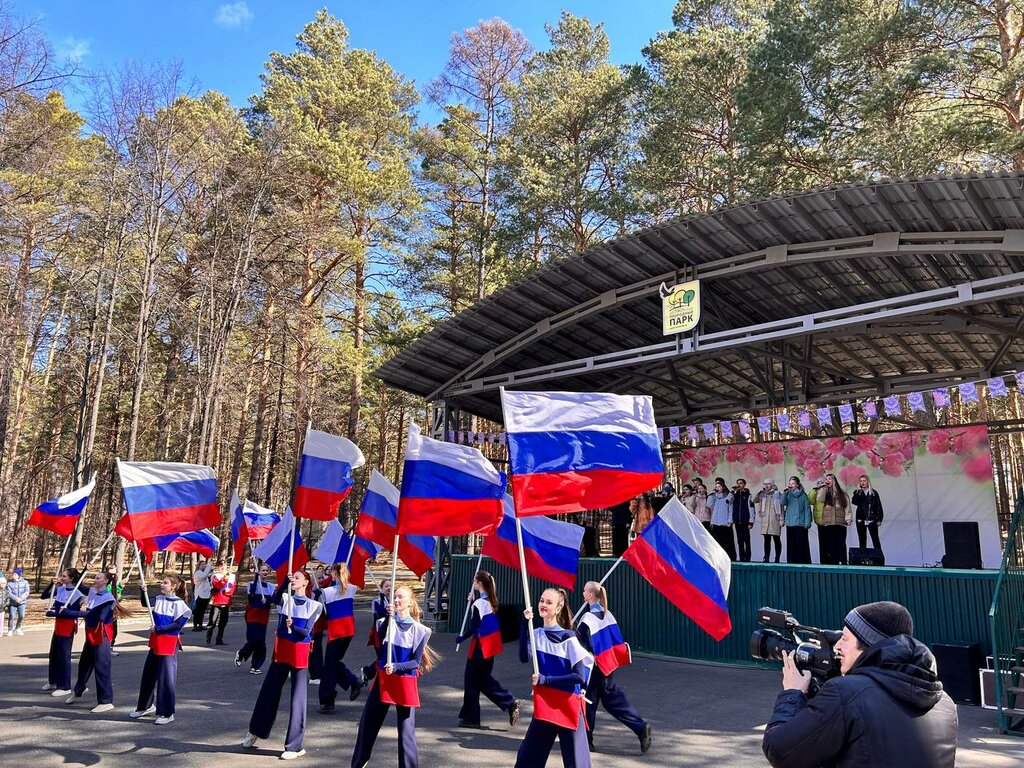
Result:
pixel 692 432
pixel 916 400
pixel 451 436
pixel 673 433
pixel 941 397
pixel 501 438
pixel 846 413
pixel 804 420
pixel 969 392
pixel 783 421
pixel 726 428
pixel 1020 380
pixel 764 423
pixel 870 408
pixel 892 405
pixel 825 416
pixel 744 427
pixel 709 430
pixel 997 387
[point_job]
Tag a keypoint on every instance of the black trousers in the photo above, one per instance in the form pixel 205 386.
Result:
pixel 159 675
pixel 479 678
pixel 255 644
pixel 743 541
pixel 200 612
pixel 723 535
pixel 834 543
pixel 603 690
pixel 768 539
pixel 370 724
pixel 221 614
pixel 265 711
pixel 540 738
pixel 862 531
pixel 798 548
pixel 335 672
pixel 620 539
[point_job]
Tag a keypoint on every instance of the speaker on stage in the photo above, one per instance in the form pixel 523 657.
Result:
pixel 958 667
pixel 963 545
pixel 866 556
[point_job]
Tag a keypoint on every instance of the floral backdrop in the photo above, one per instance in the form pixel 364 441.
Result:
pixel 922 477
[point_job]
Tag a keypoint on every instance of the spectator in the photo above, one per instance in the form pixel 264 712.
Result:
pixel 17 594
pixel 4 602
pixel 742 518
pixel 700 495
pixel 886 710
pixel 201 577
pixel 643 513
pixel 768 504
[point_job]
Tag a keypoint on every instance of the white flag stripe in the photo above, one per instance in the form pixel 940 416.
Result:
pixel 686 526
pixel 149 473
pixel 384 487
pixel 464 458
pixel 577 411
pixel 69 499
pixel 327 446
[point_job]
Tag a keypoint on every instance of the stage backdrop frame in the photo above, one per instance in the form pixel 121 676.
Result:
pixel 949 606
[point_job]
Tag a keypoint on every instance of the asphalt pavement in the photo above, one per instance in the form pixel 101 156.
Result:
pixel 702 714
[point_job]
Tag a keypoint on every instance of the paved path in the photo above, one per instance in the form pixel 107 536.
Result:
pixel 703 715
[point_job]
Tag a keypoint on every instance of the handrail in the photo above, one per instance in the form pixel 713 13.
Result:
pixel 1011 565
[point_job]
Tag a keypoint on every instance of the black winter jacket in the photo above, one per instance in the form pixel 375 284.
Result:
pixel 889 710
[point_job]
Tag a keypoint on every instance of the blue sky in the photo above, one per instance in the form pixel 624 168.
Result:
pixel 223 45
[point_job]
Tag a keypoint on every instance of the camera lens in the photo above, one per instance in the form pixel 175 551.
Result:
pixel 767 645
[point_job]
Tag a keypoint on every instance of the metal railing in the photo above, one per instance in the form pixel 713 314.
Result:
pixel 1006 626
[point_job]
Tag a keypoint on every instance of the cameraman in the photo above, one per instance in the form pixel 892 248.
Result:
pixel 887 709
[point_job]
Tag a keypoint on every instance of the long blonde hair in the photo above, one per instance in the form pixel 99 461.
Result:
pixel 340 570
pixel 564 618
pixel 599 591
pixel 431 658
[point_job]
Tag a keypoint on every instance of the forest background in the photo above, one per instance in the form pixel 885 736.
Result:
pixel 187 279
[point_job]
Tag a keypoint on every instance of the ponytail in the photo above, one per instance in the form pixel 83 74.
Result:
pixel 180 589
pixel 599 592
pixel 340 571
pixel 430 658
pixel 564 618
pixel 487 582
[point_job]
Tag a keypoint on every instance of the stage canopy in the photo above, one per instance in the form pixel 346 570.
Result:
pixel 814 297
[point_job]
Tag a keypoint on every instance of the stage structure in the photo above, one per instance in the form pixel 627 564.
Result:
pixel 827 296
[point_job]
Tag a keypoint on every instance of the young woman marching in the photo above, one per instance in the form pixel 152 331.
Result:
pixel 101 607
pixel 160 672
pixel 379 609
pixel 484 635
pixel 64 628
pixel 223 586
pixel 599 634
pixel 257 615
pixel 565 668
pixel 397 683
pixel 296 615
pixel 338 600
pixel 316 648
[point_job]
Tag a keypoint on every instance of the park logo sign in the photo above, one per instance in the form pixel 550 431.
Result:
pixel 680 307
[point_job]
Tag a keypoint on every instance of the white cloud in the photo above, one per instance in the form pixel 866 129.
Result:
pixel 233 15
pixel 73 49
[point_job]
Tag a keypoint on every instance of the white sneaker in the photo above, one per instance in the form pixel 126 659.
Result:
pixel 73 698
pixel 289 755
pixel 114 653
pixel 255 671
pixel 19 633
pixel 314 681
pixel 62 692
pixel 164 719
pixel 249 741
pixel 136 713
pixel 238 658
pixel 48 687
pixel 101 708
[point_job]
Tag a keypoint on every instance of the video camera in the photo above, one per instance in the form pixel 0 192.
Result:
pixel 816 654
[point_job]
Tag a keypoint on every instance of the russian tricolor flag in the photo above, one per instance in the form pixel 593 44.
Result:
pixel 610 649
pixel 274 549
pixel 60 515
pixel 378 520
pixel 573 451
pixel 163 498
pixel 552 547
pixel 325 475
pixel 259 521
pixel 448 489
pixel 682 561
pixel 335 546
pixel 203 542
pixel 239 531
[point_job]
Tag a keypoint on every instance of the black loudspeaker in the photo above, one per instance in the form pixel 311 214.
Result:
pixel 963 545
pixel 958 667
pixel 866 556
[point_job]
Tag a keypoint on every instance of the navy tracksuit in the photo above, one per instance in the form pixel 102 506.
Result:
pixel 160 672
pixel 479 678
pixel 99 632
pixel 64 629
pixel 257 616
pixel 335 672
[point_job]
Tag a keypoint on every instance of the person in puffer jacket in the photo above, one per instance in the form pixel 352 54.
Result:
pixel 887 709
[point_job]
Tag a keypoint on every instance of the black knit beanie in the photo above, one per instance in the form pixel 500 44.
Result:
pixel 873 622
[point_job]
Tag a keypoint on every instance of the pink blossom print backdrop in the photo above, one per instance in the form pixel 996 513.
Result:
pixel 923 479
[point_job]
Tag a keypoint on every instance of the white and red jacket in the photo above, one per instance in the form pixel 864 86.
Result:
pixel 410 638
pixel 259 598
pixel 170 613
pixel 339 609
pixel 565 667
pixel 224 587
pixel 292 646
pixel 599 633
pixel 485 631
pixel 70 599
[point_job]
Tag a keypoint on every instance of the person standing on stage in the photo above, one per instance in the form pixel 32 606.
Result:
pixel 222 589
pixel 67 596
pixel 621 518
pixel 742 518
pixel 868 506
pixel 700 495
pixel 719 503
pixel 484 635
pixel 768 504
pixel 599 634
pixel 203 589
pixel 797 521
pixel 397 682
pixel 259 598
pixel 160 672
pixel 642 508
pixel 100 609
pixel 338 600
pixel 832 505
pixel 565 669
pixel 297 612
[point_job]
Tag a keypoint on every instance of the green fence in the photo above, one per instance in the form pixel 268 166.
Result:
pixel 948 606
pixel 1006 624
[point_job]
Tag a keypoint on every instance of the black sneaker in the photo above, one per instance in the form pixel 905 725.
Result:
pixel 354 690
pixel 467 724
pixel 219 642
pixel 513 713
pixel 645 738
pixel 325 709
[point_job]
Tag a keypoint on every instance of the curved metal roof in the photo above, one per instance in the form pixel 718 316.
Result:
pixel 816 296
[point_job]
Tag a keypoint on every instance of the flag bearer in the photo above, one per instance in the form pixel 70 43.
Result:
pixel 257 615
pixel 100 609
pixel 64 628
pixel 484 635
pixel 160 673
pixel 297 613
pixel 338 600
pixel 599 633
pixel 223 586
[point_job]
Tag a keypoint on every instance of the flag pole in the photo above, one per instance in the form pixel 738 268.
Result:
pixel 600 584
pixel 98 553
pixel 351 546
pixel 60 564
pixel 291 542
pixel 522 553
pixel 391 619
pixel 142 581
pixel 469 604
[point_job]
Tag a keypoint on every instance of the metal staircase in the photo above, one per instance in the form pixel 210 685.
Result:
pixel 1006 625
